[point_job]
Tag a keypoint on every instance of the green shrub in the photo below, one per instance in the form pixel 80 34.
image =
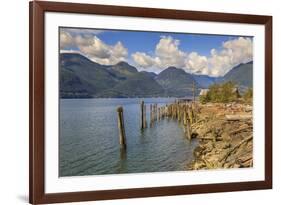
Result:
pixel 224 93
pixel 248 95
pixel 204 98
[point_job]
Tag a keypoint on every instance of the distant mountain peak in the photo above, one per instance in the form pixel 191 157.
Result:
pixel 75 58
pixel 173 69
pixel 122 63
pixel 73 54
pixel 241 74
pixel 240 65
pixel 124 67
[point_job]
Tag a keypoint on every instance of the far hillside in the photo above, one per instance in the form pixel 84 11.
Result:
pixel 83 78
pixel 242 75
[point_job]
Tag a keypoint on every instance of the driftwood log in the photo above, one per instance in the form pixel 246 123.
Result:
pixel 238 117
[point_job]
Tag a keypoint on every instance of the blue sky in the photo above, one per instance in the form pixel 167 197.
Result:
pixel 146 41
pixel 212 55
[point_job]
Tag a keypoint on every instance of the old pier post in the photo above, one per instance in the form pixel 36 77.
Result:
pixel 178 110
pixel 184 116
pixel 166 111
pixel 153 108
pixel 151 115
pixel 173 111
pixel 193 112
pixel 142 115
pixel 188 130
pixel 122 136
pixel 156 108
pixel 190 115
pixel 154 112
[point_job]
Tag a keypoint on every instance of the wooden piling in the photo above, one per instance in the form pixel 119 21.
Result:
pixel 122 136
pixel 151 115
pixel 190 115
pixel 166 110
pixel 154 113
pixel 184 117
pixel 174 111
pixel 194 112
pixel 188 130
pixel 142 114
pixel 156 109
pixel 178 112
pixel 163 112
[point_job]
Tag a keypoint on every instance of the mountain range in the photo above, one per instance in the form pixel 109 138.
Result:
pixel 83 78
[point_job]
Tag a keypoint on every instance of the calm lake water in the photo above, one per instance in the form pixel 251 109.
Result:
pixel 89 141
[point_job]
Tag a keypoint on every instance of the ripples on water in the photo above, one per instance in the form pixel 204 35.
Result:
pixel 89 141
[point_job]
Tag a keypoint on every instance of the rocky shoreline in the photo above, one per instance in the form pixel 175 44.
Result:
pixel 225 134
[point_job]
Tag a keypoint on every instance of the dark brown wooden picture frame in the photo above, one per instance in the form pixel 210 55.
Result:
pixel 37 193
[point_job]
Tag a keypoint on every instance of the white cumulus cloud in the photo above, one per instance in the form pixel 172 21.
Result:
pixel 143 60
pixel 167 53
pixel 196 63
pixel 65 40
pixel 234 52
pixel 93 47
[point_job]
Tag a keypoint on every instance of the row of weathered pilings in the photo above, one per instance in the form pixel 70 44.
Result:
pixel 185 112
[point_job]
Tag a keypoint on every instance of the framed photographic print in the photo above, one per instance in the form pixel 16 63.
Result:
pixel 137 102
